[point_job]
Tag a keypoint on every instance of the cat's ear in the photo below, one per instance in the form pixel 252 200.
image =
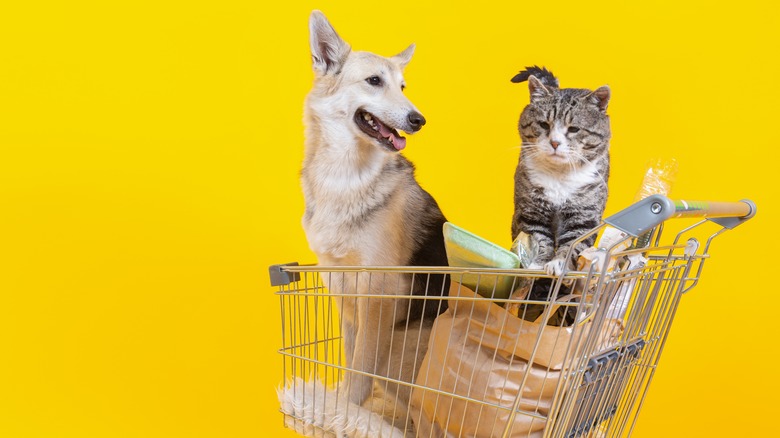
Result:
pixel 600 98
pixel 328 50
pixel 537 89
pixel 404 57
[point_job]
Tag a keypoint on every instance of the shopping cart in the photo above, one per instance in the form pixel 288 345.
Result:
pixel 584 375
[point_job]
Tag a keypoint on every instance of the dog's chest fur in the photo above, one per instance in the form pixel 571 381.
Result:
pixel 355 208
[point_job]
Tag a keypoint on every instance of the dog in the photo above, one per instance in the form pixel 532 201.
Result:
pixel 364 207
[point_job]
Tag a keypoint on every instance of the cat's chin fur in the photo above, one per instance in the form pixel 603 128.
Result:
pixel 561 186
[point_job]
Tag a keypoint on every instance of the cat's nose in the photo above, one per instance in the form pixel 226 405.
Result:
pixel 555 144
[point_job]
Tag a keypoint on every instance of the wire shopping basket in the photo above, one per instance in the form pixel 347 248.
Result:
pixel 564 356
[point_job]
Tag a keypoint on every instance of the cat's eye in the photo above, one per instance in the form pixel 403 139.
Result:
pixel 544 125
pixel 374 80
pixel 573 129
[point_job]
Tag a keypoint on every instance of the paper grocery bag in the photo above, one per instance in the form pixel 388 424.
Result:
pixel 478 356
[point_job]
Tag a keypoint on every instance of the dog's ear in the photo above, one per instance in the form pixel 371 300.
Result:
pixel 537 89
pixel 404 57
pixel 328 50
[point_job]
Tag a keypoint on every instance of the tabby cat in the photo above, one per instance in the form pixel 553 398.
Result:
pixel 561 178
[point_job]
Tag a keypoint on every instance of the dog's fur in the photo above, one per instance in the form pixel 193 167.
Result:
pixel 315 410
pixel 365 208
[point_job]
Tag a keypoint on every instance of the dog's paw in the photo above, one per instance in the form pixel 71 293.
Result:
pixel 359 387
pixel 554 267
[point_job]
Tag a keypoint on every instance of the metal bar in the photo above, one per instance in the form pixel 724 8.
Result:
pixel 426 298
pixel 427 270
pixel 412 385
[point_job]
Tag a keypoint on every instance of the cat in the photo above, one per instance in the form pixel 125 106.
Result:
pixel 561 177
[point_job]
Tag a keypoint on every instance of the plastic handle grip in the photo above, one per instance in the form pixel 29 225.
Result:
pixel 651 211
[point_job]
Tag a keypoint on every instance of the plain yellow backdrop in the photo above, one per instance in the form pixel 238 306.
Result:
pixel 149 159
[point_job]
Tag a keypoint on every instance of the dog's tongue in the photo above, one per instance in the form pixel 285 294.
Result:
pixel 398 142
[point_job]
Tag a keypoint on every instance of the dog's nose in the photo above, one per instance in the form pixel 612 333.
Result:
pixel 416 120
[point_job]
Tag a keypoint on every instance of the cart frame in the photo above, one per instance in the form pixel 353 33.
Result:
pixel 600 390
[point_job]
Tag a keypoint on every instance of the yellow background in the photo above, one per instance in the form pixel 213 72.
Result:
pixel 149 175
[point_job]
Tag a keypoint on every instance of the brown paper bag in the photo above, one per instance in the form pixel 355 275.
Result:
pixel 480 351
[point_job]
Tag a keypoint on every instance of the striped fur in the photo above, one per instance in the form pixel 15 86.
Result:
pixel 561 177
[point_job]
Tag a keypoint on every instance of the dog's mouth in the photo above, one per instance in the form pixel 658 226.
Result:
pixel 374 128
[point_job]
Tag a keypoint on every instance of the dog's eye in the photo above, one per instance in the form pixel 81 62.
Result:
pixel 573 129
pixel 544 125
pixel 403 87
pixel 374 80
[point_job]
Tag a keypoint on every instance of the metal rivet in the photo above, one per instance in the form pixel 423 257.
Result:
pixel 656 207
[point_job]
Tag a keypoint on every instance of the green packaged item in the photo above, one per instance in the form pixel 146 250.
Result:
pixel 467 250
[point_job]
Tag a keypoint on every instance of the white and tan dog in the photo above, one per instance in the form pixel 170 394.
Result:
pixel 365 208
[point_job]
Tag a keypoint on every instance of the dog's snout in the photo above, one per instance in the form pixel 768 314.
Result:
pixel 416 120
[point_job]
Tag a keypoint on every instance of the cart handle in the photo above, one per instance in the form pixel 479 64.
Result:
pixel 651 211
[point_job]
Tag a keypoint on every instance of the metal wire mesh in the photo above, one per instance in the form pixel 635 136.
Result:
pixel 542 364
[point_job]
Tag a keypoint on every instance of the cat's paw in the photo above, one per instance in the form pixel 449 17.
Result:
pixel 535 266
pixel 554 267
